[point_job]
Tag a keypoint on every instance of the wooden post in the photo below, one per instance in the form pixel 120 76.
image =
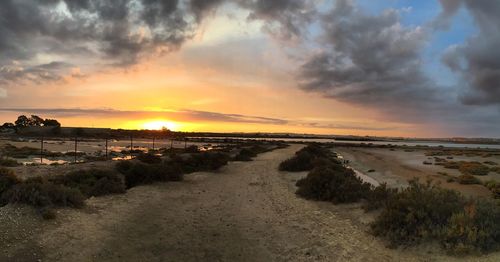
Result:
pixel 41 151
pixel 76 147
pixel 171 143
pixel 185 143
pixel 131 145
pixel 106 148
pixel 153 143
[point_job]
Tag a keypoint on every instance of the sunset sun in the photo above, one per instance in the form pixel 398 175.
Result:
pixel 160 124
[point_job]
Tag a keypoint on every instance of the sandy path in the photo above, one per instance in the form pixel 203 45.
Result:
pixel 245 212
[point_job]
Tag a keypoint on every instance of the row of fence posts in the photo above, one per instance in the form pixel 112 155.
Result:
pixel 106 147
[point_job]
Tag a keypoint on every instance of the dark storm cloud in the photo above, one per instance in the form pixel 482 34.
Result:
pixel 117 32
pixel 120 32
pixel 370 60
pixel 477 61
pixel 286 19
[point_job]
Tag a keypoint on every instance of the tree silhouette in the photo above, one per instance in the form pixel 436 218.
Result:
pixel 22 121
pixel 36 120
pixel 51 122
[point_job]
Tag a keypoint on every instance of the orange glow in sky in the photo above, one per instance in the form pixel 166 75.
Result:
pixel 160 124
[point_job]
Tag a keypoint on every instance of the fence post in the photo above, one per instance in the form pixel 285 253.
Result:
pixel 76 147
pixel 185 143
pixel 171 143
pixel 106 148
pixel 41 151
pixel 131 145
pixel 153 143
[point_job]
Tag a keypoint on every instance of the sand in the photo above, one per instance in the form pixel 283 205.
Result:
pixel 397 167
pixel 247 211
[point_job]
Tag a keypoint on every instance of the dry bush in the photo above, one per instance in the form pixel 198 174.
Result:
pixel 473 168
pixel 93 182
pixel 305 159
pixel 40 193
pixel 7 180
pixel 417 213
pixel 475 229
pixel 333 183
pixel 149 158
pixel 137 173
pixel 468 180
pixel 7 162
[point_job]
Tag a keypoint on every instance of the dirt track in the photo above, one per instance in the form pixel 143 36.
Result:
pixel 244 212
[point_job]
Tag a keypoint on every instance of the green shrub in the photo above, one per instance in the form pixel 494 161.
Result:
pixel 473 168
pixel 245 154
pixel 417 213
pixel 123 166
pixel 7 162
pixel 93 182
pixel 40 193
pixel 333 183
pixel 451 165
pixel 468 180
pixel 140 173
pixel 19 152
pixel 205 161
pixel 378 197
pixel 7 179
pixel 474 229
pixel 305 159
pixel 494 187
pixel 149 158
pixel 302 161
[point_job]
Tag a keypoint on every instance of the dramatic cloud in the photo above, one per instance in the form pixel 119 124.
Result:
pixel 35 33
pixel 286 19
pixel 182 115
pixel 478 60
pixel 118 32
pixel 369 60
pixel 193 115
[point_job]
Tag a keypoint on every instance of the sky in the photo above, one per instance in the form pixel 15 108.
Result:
pixel 350 67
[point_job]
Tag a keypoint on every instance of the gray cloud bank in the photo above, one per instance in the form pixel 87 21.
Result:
pixel 361 58
pixel 477 61
pixel 117 32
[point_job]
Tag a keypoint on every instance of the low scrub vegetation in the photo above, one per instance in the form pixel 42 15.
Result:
pixel 425 212
pixel 247 153
pixel 8 162
pixel 473 168
pixel 494 187
pixel 38 192
pixel 422 212
pixel 7 179
pixel 19 152
pixel 205 161
pixel 138 173
pixel 305 159
pixel 149 158
pixel 25 152
pixel 332 182
pixel 93 182
pixel 468 180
